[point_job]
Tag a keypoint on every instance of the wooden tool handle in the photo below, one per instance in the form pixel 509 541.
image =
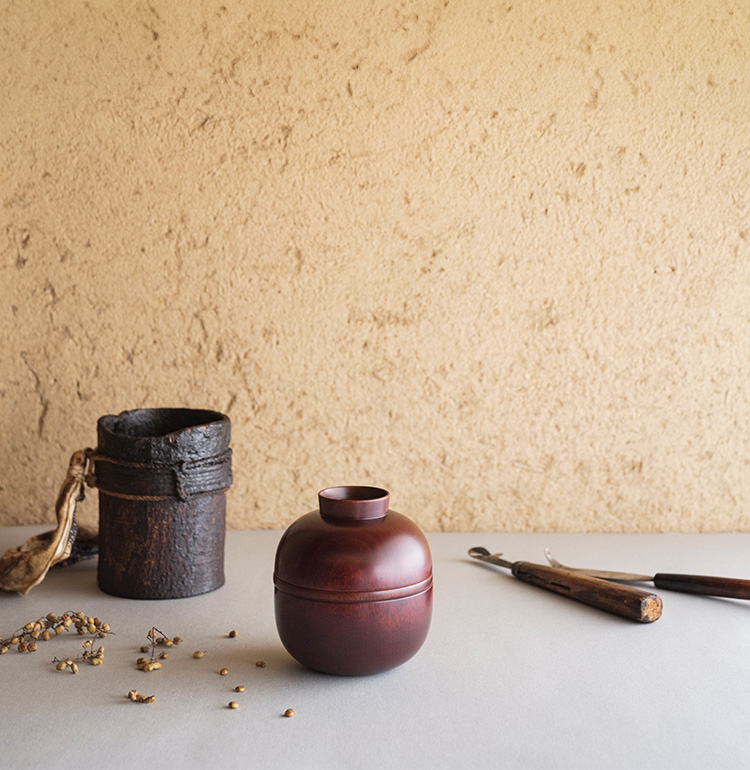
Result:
pixel 622 600
pixel 702 584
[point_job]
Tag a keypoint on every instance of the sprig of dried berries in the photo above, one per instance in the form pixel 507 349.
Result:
pixel 90 654
pixel 26 639
pixel 157 638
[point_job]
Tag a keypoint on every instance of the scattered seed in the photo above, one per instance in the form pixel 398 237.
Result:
pixel 260 663
pixel 224 671
pixel 233 633
pixel 177 640
pixel 199 653
pixel 133 694
pixel 164 655
pixel 141 661
pixel 289 713
pixel 233 704
pixel 240 688
pixel 144 648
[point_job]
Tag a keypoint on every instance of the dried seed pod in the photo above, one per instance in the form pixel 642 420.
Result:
pixel 105 627
pixel 91 628
pixel 149 699
pixel 141 661
pixel 32 647
pixel 15 640
pixel 62 665
pixel 224 671
pixel 154 665
pixel 59 630
pixel 163 655
pixel 96 661
pixel 132 694
pixel 177 640
pixel 145 648
pixel 22 647
pixel 199 653
pixel 240 688
pixel 233 704
pixel 168 642
pixel 289 713
pixel 51 617
pixel 3 650
pixel 74 668
pixel 45 636
pixel 233 633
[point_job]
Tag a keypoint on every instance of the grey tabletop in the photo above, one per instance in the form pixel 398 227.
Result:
pixel 511 676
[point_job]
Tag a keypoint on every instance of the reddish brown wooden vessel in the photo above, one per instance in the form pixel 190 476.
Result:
pixel 353 584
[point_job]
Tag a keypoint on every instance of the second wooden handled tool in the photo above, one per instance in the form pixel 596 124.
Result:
pixel 626 601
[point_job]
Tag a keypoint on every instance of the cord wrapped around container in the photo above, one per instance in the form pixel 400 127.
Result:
pixel 162 476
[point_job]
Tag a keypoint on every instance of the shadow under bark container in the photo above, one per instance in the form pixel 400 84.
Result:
pixel 162 476
pixel 353 584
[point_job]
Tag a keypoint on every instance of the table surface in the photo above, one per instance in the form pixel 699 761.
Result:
pixel 510 675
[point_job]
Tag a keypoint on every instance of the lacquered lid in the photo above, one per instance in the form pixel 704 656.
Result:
pixel 353 549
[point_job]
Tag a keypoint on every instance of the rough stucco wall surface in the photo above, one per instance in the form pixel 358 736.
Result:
pixel 494 257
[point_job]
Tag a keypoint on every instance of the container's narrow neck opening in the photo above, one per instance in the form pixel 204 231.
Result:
pixel 353 503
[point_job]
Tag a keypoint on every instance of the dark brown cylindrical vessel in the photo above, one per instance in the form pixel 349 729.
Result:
pixel 353 584
pixel 162 476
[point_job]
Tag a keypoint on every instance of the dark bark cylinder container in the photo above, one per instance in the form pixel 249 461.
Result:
pixel 162 476
pixel 353 584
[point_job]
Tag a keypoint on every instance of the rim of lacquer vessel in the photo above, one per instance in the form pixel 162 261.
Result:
pixel 353 503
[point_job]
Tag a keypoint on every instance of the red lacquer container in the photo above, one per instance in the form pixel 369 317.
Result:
pixel 353 584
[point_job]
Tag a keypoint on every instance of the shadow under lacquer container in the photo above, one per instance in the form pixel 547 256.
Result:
pixel 353 584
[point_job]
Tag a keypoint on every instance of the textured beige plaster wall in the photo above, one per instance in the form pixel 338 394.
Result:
pixel 491 256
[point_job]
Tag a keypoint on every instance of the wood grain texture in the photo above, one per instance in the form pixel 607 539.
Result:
pixel 732 588
pixel 629 602
pixel 353 591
